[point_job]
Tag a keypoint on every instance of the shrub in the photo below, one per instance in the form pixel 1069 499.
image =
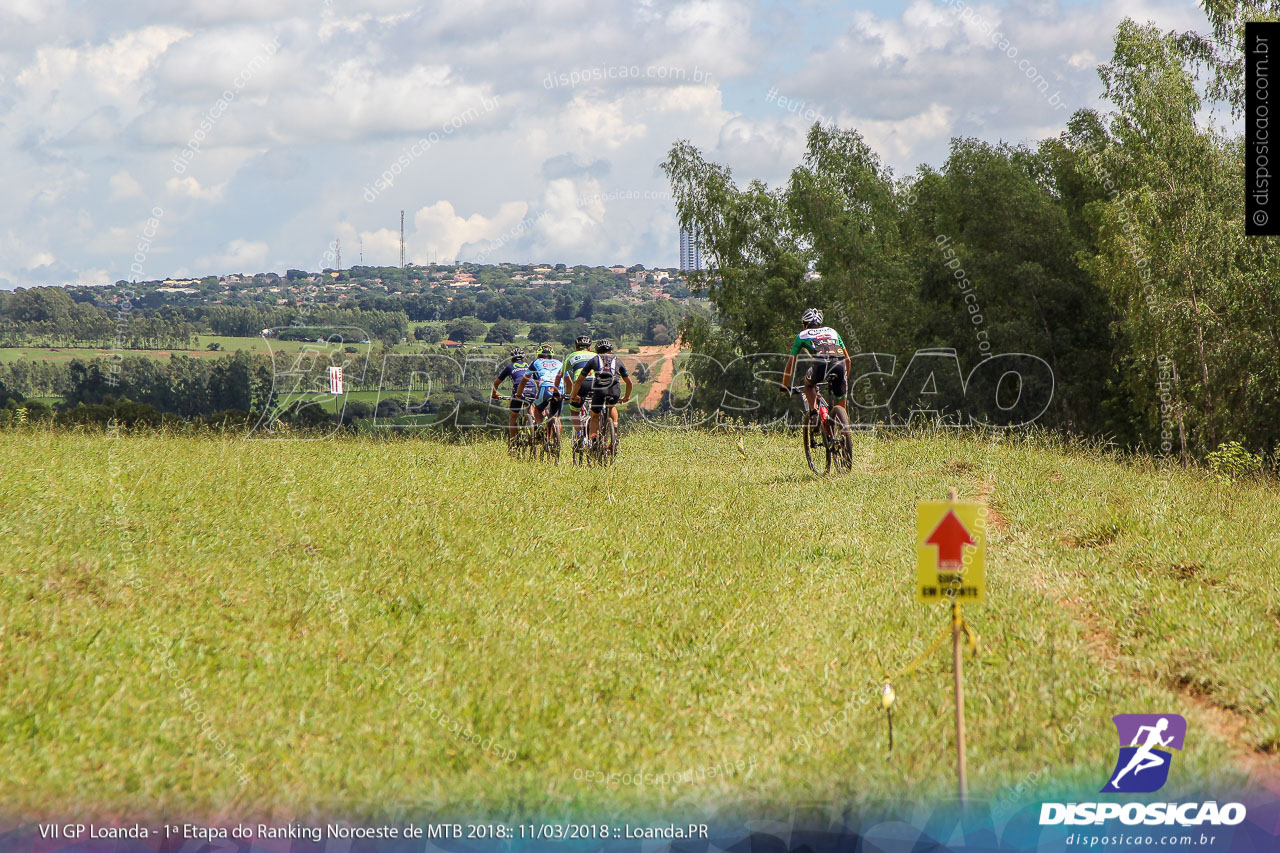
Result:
pixel 124 412
pixel 1231 461
pixel 356 409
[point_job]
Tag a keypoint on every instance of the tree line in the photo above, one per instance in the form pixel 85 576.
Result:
pixel 50 316
pixel 1114 251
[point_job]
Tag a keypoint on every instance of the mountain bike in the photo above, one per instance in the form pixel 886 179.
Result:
pixel 524 442
pixel 604 450
pixel 578 447
pixel 825 427
pixel 549 441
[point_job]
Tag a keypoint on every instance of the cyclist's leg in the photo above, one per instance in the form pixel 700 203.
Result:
pixel 514 407
pixel 584 411
pixel 539 406
pixel 812 379
pixel 838 382
pixel 597 406
pixel 553 411
pixel 615 394
pixel 577 419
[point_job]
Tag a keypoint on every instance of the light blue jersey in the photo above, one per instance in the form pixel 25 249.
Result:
pixel 545 371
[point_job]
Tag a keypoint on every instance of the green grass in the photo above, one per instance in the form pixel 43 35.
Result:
pixel 228 344
pixel 687 608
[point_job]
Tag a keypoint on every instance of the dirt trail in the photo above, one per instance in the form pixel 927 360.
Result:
pixel 666 372
pixel 1224 724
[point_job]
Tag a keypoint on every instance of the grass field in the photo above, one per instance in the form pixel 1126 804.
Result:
pixel 228 344
pixel 199 624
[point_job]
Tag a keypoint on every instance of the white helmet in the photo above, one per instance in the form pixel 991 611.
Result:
pixel 811 317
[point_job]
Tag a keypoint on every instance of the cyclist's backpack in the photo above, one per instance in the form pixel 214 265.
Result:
pixel 605 373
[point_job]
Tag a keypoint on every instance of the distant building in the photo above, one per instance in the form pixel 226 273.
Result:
pixel 690 251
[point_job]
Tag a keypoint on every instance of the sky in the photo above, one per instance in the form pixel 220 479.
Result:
pixel 147 139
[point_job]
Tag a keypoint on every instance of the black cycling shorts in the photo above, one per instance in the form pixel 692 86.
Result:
pixel 517 402
pixel 585 391
pixel 831 372
pixel 612 393
pixel 551 405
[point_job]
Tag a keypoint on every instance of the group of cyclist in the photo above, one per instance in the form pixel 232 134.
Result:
pixel 592 375
pixel 597 375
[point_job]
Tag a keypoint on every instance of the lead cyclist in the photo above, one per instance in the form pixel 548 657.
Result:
pixel 832 362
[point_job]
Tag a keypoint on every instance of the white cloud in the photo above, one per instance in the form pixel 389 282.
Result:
pixel 191 188
pixel 105 96
pixel 440 233
pixel 124 185
pixel 238 255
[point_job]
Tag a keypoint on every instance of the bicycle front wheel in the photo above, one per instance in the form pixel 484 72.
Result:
pixel 840 441
pixel 553 446
pixel 809 434
pixel 608 441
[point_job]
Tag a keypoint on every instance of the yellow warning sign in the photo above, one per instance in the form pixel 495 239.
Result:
pixel 951 551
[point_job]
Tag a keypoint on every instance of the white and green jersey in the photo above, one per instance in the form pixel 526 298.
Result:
pixel 824 342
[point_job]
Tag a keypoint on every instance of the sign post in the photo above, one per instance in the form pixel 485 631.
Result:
pixel 951 550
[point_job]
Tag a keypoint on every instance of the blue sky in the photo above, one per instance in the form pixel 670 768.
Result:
pixel 491 158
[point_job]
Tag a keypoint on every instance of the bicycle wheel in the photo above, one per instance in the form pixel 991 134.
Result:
pixel 808 431
pixel 608 440
pixel 551 446
pixel 528 444
pixel 840 441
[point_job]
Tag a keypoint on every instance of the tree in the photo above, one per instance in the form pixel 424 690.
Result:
pixel 587 309
pixel 564 306
pixel 1198 303
pixel 502 332
pixel 465 329
pixel 567 332
pixel 429 333
pixel 539 332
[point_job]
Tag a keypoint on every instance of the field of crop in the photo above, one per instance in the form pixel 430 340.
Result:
pixel 199 624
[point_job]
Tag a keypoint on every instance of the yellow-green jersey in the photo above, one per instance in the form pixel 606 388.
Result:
pixel 575 361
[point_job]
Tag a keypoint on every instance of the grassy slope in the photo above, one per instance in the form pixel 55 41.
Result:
pixel 685 609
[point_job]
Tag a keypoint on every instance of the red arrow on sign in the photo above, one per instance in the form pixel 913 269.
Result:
pixel 950 536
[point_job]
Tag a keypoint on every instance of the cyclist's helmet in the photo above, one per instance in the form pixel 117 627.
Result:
pixel 517 354
pixel 811 317
pixel 582 341
pixel 604 345
pixel 545 351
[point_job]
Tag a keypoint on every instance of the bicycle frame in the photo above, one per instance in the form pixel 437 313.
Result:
pixel 824 410
pixel 836 446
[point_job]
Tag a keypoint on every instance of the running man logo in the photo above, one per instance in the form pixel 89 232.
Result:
pixel 1145 744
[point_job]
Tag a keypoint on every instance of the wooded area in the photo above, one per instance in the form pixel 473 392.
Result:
pixel 1115 252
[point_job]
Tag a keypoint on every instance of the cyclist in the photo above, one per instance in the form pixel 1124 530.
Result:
pixel 607 373
pixel 544 372
pixel 573 364
pixel 831 361
pixel 515 369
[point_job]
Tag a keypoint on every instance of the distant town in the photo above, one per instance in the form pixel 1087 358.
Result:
pixel 634 283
